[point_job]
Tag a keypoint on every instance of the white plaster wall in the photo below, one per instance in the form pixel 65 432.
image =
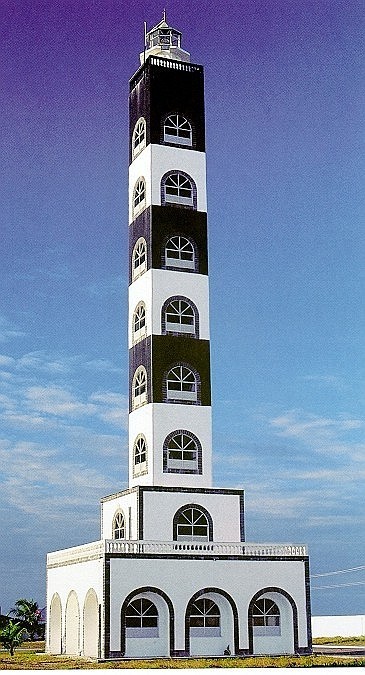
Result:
pixel 330 626
pixel 156 421
pixel 155 160
pixel 79 577
pixel 160 508
pixel 242 579
pixel 111 506
pixel 156 286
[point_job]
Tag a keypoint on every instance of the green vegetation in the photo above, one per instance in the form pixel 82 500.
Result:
pixel 338 640
pixel 30 617
pixel 11 636
pixel 31 659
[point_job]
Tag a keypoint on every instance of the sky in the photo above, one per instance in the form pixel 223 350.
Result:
pixel 284 111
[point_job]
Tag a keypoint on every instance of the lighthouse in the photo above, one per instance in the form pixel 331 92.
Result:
pixel 172 574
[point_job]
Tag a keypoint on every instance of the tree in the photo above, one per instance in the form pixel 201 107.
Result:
pixel 30 616
pixel 11 636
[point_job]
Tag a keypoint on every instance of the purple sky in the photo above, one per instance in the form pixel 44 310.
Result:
pixel 284 108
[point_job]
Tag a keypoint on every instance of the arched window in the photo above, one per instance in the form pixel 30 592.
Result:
pixel 181 384
pixel 139 258
pixel 139 196
pixel 192 523
pixel 266 617
pixel 182 453
pixel 141 619
pixel 179 253
pixel 177 129
pixel 139 137
pixel 119 526
pixel 139 387
pixel 140 455
pixel 179 316
pixel 205 619
pixel 178 188
pixel 139 328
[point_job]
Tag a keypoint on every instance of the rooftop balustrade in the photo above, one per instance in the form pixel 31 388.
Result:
pixel 122 547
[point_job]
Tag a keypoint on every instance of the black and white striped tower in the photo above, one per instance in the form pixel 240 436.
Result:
pixel 170 440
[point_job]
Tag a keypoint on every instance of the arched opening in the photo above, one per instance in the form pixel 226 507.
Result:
pixel 272 621
pixel 147 622
pixel 55 625
pixel 119 529
pixel 192 522
pixel 139 137
pixel 177 130
pixel 72 625
pixel 91 624
pixel 178 189
pixel 211 624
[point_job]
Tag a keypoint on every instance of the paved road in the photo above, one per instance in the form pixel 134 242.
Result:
pixel 340 650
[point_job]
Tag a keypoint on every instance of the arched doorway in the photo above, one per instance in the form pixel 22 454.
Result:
pixel 147 621
pixel 91 624
pixel 211 624
pixel 55 625
pixel 72 625
pixel 272 621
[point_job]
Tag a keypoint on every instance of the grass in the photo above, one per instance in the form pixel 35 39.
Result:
pixel 29 657
pixel 339 640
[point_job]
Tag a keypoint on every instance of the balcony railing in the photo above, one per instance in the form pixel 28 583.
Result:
pixel 97 549
pixel 179 548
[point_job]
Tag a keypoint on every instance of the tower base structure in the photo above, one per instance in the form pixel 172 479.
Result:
pixel 189 598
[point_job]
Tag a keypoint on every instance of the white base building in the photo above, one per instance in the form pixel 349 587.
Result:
pixel 172 574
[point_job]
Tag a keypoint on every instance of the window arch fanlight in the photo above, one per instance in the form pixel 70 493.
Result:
pixel 139 387
pixel 139 196
pixel 141 619
pixel 182 453
pixel 179 253
pixel 266 617
pixel 140 455
pixel 182 384
pixel 204 618
pixel 139 258
pixel 177 129
pixel 119 526
pixel 192 523
pixel 180 316
pixel 139 328
pixel 139 137
pixel 178 189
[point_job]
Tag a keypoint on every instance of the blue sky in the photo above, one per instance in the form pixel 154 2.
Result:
pixel 284 108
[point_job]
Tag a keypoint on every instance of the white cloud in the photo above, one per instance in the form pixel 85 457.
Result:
pixel 8 331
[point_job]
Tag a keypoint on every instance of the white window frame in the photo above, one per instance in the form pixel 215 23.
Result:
pixel 142 615
pixel 192 517
pixel 204 611
pixel 183 446
pixel 186 379
pixel 184 312
pixel 266 622
pixel 140 466
pixel 177 129
pixel 139 135
pixel 139 196
pixel 119 525
pixel 139 318
pixel 178 189
pixel 140 382
pixel 183 247
pixel 139 247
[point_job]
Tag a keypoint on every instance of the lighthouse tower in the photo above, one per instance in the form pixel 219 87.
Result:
pixel 172 574
pixel 170 400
